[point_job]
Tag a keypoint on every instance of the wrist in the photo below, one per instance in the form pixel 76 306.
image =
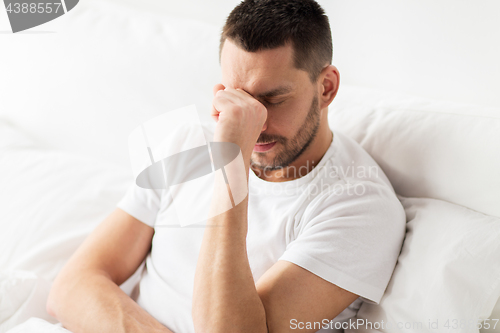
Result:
pixel 230 185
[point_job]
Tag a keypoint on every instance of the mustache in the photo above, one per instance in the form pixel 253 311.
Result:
pixel 266 138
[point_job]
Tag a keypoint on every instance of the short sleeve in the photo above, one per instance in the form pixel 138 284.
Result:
pixel 143 204
pixel 351 239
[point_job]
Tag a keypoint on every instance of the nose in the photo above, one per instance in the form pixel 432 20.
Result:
pixel 264 127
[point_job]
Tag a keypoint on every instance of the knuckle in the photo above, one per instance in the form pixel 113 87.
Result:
pixel 237 110
pixel 254 104
pixel 219 99
pixel 260 108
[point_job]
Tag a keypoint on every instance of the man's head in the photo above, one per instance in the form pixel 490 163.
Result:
pixel 280 52
pixel 256 25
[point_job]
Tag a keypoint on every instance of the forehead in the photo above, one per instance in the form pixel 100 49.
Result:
pixel 259 71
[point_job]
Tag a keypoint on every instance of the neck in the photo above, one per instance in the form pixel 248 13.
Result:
pixel 306 161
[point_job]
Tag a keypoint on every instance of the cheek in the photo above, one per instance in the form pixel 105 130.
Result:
pixel 288 119
pixel 281 121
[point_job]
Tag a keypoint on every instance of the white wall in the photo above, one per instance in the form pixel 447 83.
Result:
pixel 442 49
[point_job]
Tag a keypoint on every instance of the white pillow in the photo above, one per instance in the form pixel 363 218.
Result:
pixel 495 314
pixel 104 70
pixel 448 269
pixel 427 148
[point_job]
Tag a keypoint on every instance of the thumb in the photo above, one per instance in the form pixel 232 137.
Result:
pixel 214 112
pixel 218 87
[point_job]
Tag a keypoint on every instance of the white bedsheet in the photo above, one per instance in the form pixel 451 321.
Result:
pixel 50 201
pixel 37 325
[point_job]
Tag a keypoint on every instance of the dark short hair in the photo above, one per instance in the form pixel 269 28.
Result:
pixel 256 25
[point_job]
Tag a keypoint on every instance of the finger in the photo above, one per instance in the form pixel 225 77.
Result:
pixel 220 103
pixel 218 87
pixel 243 92
pixel 214 112
pixel 238 96
pixel 223 100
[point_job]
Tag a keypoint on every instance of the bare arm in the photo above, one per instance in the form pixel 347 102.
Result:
pixel 85 296
pixel 226 298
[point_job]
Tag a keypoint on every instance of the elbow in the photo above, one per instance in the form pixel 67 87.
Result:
pixel 49 307
pixel 52 301
pixel 56 296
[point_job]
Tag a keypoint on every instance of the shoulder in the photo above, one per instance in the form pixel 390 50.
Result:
pixel 363 199
pixel 354 188
pixel 350 168
pixel 373 216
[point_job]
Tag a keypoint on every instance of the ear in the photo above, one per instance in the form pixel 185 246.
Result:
pixel 328 81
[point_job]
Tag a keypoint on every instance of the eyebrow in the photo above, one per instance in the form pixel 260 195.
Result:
pixel 276 92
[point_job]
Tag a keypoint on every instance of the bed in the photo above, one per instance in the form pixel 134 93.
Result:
pixel 73 90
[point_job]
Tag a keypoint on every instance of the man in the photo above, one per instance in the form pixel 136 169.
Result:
pixel 319 231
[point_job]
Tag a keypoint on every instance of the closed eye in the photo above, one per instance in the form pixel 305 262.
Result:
pixel 274 103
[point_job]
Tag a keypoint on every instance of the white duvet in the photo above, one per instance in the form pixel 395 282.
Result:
pixel 39 326
pixel 51 200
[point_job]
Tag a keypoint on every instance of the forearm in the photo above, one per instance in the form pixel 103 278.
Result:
pixel 225 298
pixel 92 302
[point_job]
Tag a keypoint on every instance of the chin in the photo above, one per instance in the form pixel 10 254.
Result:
pixel 260 161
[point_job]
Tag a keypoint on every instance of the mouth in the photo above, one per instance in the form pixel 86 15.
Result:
pixel 261 147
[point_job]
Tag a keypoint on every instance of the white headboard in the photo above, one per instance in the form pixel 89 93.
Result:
pixel 444 49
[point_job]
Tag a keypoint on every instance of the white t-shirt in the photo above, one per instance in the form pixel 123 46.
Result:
pixel 342 221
